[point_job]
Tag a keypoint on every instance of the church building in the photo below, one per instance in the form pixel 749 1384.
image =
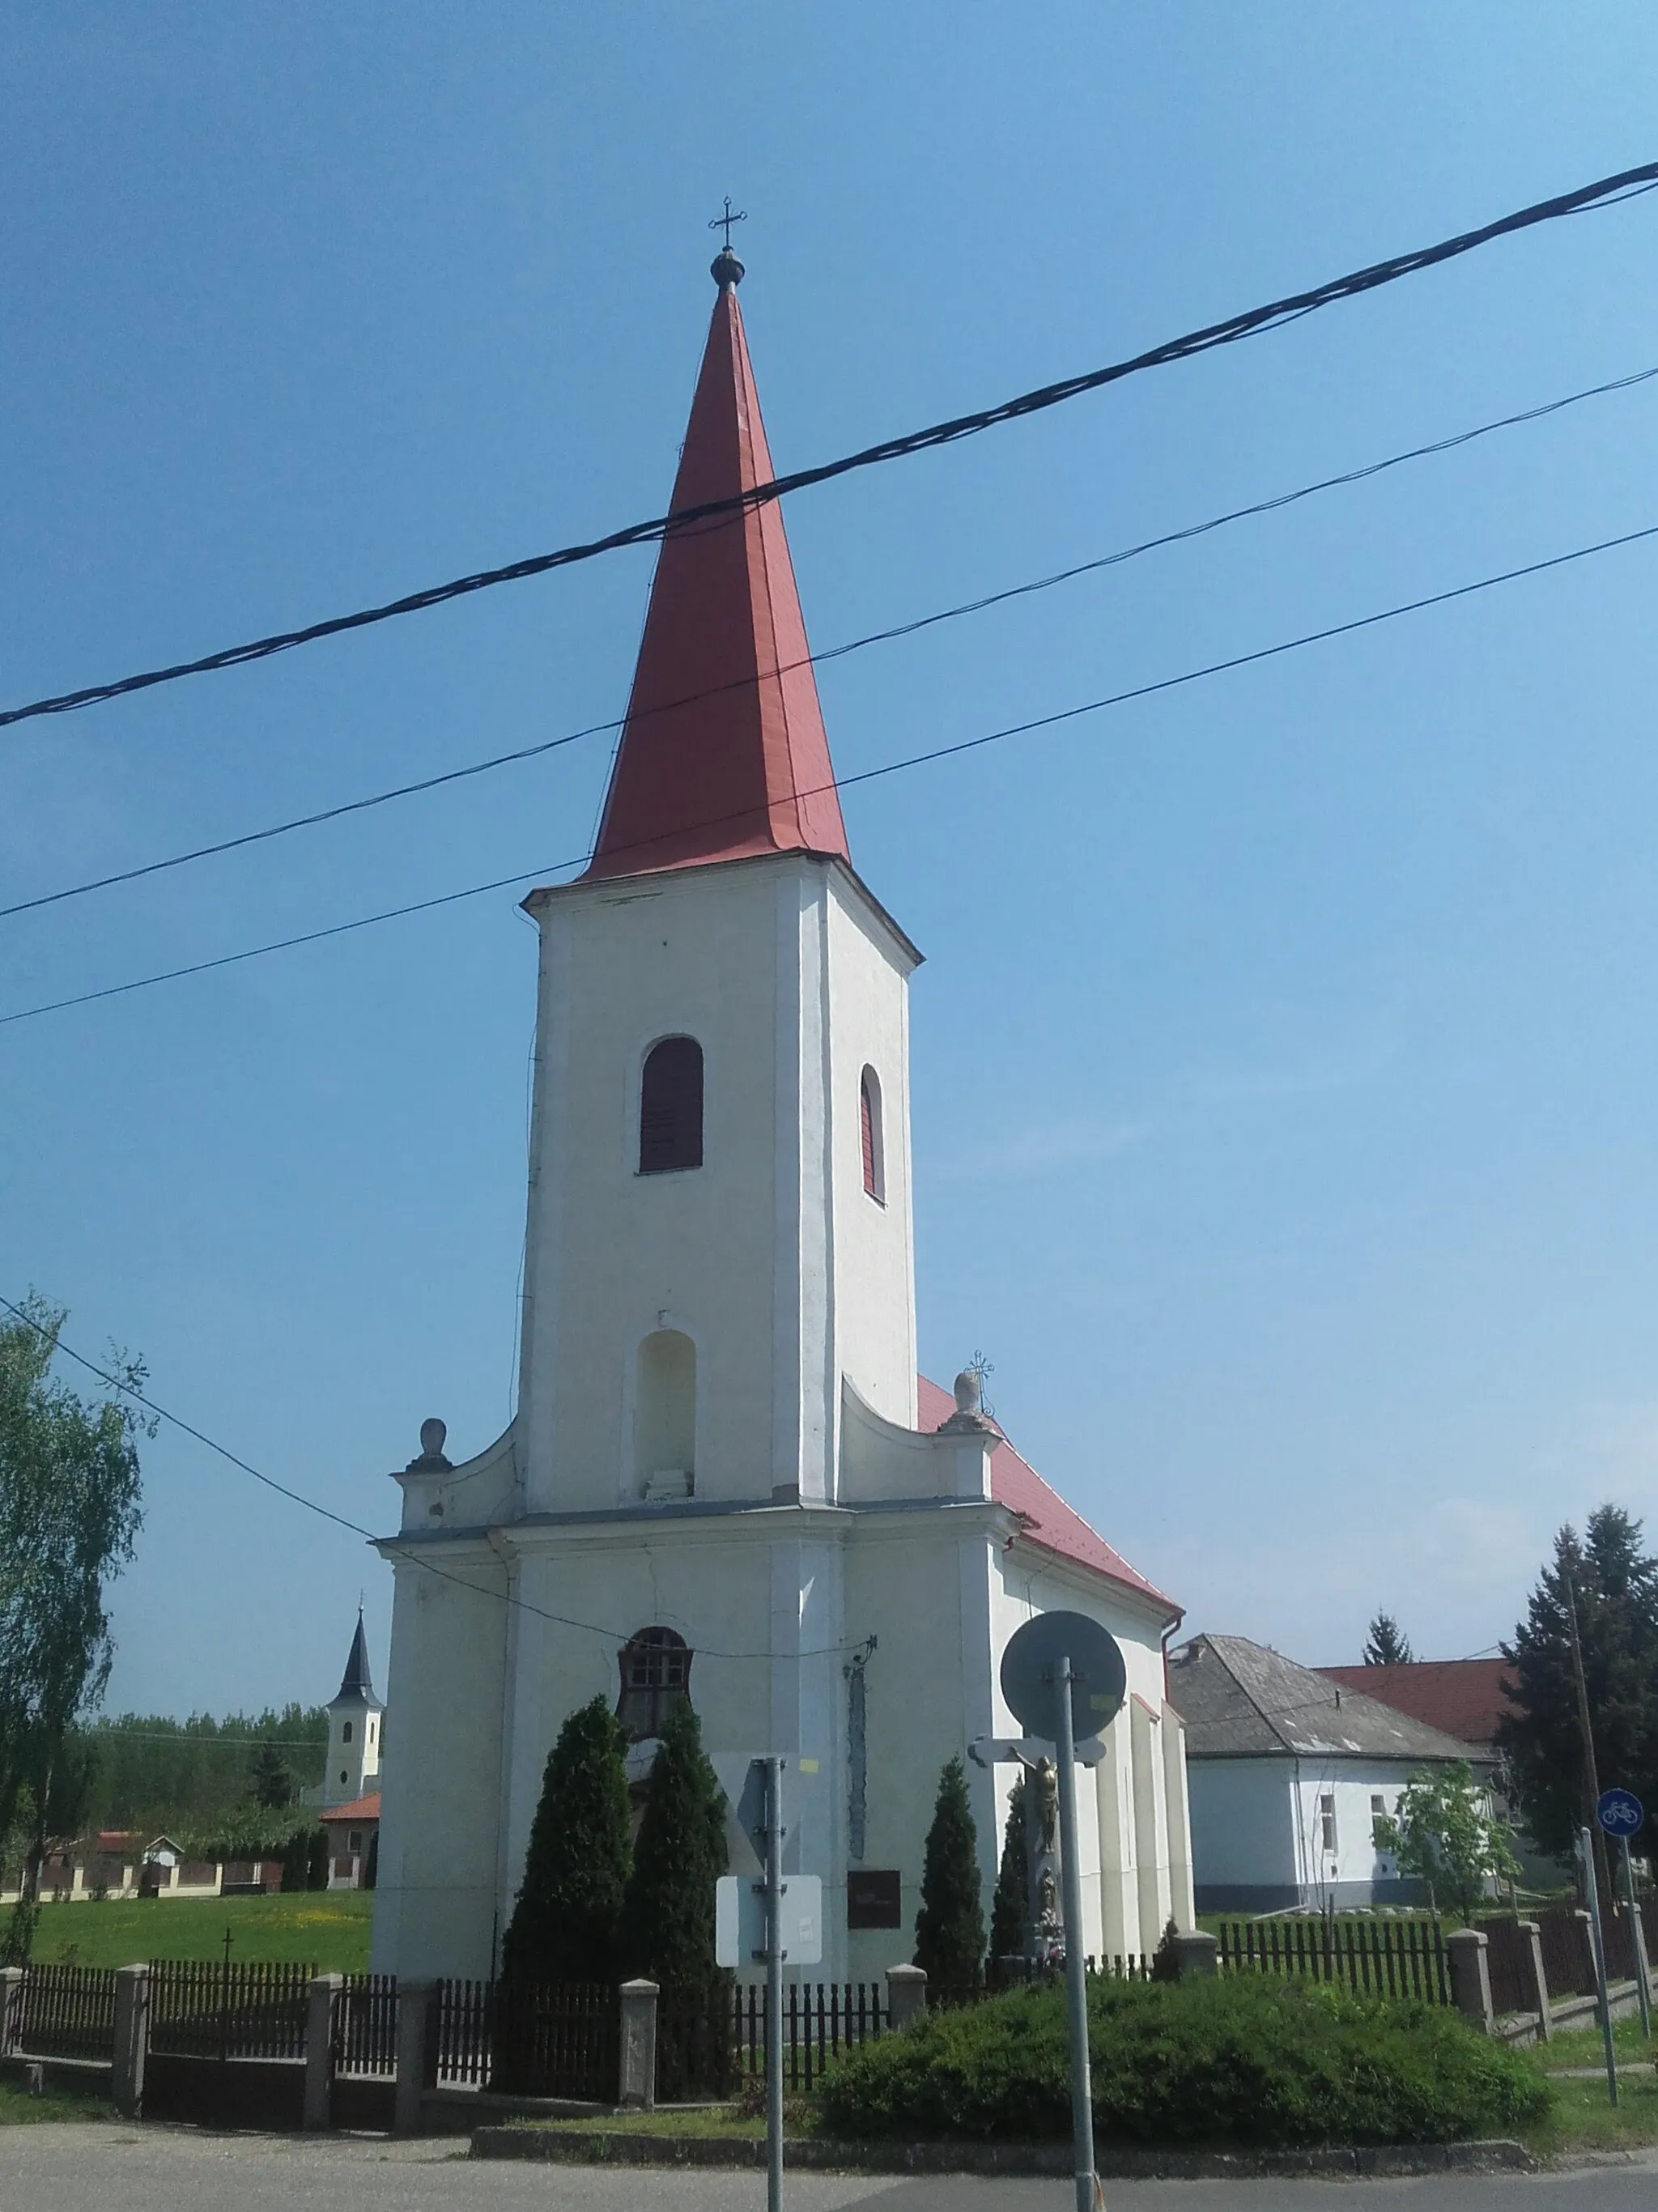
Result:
pixel 724 1479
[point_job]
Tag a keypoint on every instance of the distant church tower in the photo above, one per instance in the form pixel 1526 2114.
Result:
pixel 354 1720
pixel 724 1479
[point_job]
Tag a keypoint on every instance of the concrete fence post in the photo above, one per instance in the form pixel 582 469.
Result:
pixel 322 2013
pixel 11 2009
pixel 1196 1954
pixel 1470 1977
pixel 131 2040
pixel 637 2085
pixel 1531 1945
pixel 417 2052
pixel 905 1996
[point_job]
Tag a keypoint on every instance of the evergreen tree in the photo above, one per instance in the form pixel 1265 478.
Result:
pixel 680 1854
pixel 950 1927
pixel 1387 1646
pixel 1010 1908
pixel 1615 1585
pixel 667 1919
pixel 565 1922
pixel 270 1782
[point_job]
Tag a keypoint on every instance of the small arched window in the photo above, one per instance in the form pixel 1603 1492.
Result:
pixel 345 1732
pixel 656 1674
pixel 869 1116
pixel 670 1107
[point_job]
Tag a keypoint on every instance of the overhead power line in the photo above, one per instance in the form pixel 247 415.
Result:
pixel 871 775
pixel 326 1513
pixel 974 606
pixel 1607 190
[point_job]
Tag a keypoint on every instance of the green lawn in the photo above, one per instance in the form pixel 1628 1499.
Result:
pixel 328 1929
pixel 18 2108
pixel 1583 2119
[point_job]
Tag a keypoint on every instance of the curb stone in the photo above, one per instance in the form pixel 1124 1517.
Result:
pixel 581 2147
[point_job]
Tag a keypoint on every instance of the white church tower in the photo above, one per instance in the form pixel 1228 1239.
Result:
pixel 356 1718
pixel 720 1481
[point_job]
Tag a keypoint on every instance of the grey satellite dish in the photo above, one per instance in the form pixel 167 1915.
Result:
pixel 1030 1663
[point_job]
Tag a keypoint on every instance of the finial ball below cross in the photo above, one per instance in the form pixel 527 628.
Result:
pixel 725 269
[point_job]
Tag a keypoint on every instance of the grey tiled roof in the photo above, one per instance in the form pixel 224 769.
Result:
pixel 1239 1700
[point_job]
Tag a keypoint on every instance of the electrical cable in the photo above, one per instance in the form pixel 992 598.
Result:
pixel 298 1497
pixel 974 606
pixel 865 775
pixel 1607 190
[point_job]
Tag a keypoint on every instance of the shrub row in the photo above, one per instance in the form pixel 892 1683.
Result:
pixel 1236 2060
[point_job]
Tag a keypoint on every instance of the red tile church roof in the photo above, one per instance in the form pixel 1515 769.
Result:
pixel 724 752
pixel 1048 1520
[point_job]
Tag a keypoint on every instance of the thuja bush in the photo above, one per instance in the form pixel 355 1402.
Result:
pixel 1235 2060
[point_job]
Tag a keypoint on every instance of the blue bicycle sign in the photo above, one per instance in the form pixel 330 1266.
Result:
pixel 1620 1812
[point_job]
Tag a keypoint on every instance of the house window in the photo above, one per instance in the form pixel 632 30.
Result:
pixel 354 1839
pixel 1378 1806
pixel 345 1732
pixel 371 1731
pixel 874 1898
pixel 670 1107
pixel 869 1117
pixel 656 1674
pixel 1327 1820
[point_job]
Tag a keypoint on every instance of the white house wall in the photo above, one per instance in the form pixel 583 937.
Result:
pixel 1257 1832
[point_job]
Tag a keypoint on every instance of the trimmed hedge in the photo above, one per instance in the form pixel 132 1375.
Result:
pixel 1235 2060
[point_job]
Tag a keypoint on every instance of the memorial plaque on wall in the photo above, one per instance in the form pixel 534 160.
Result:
pixel 874 1898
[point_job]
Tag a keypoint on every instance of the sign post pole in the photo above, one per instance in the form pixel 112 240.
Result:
pixel 1591 1893
pixel 774 1984
pixel 1076 1971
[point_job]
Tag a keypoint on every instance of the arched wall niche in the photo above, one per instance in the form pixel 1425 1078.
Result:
pixel 665 1416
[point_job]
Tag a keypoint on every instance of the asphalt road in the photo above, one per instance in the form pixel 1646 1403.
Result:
pixel 82 2168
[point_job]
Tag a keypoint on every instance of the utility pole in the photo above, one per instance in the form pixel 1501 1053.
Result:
pixel 1591 1775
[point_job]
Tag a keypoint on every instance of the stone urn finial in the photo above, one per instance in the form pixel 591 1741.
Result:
pixel 432 1434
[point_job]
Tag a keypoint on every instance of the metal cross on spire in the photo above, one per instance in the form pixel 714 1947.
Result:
pixel 725 222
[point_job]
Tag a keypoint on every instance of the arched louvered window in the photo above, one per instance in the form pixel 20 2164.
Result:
pixel 869 1116
pixel 656 1674
pixel 670 1107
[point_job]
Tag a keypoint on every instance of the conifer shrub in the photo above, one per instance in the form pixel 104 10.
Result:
pixel 950 1927
pixel 1224 2061
pixel 667 1918
pixel 1010 1904
pixel 565 1922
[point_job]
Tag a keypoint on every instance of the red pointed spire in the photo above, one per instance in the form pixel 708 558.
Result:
pixel 724 753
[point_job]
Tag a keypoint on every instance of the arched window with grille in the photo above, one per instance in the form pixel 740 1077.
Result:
pixel 656 1674
pixel 670 1107
pixel 873 1136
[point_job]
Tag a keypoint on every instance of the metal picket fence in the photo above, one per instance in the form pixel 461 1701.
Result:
pixel 67 2012
pixel 1378 1958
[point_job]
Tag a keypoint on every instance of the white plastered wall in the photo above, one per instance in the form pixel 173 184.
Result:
pixel 769 1256
pixel 440 1782
pixel 1129 1888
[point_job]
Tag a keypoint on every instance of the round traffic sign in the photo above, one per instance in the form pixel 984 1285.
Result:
pixel 1620 1812
pixel 1030 1665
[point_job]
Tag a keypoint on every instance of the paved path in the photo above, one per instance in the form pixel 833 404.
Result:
pixel 85 2168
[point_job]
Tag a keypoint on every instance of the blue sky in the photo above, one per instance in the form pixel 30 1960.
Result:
pixel 1285 1072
